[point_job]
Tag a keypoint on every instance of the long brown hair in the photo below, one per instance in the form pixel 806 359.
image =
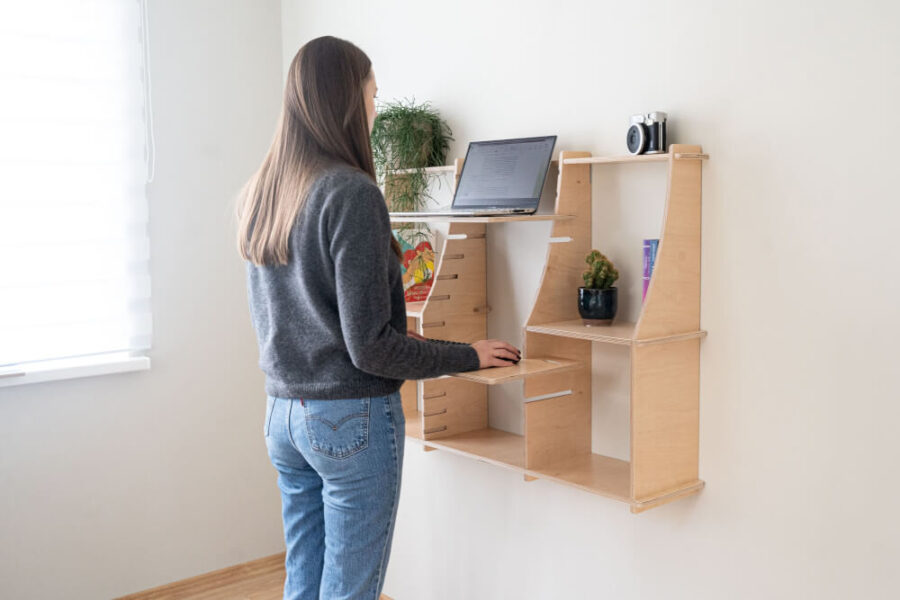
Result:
pixel 323 122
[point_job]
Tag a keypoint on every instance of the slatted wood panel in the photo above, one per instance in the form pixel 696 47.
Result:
pixel 452 406
pixel 456 308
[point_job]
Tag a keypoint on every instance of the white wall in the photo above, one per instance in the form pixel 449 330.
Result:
pixel 110 485
pixel 793 100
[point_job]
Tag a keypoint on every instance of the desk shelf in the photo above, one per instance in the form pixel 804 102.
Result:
pixel 526 367
pixel 636 158
pixel 451 413
pixel 620 332
pixel 495 219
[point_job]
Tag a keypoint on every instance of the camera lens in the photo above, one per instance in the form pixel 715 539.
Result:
pixel 636 139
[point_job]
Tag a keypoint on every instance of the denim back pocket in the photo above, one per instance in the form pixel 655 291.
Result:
pixel 337 428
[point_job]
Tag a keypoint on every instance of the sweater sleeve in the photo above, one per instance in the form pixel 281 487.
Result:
pixel 359 242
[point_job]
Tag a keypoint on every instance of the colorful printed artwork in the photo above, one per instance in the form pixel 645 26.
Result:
pixel 418 275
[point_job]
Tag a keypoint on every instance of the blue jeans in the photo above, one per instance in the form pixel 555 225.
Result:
pixel 339 464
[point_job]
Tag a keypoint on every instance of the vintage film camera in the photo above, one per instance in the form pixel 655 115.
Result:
pixel 647 134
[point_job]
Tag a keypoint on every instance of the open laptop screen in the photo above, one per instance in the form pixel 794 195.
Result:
pixel 504 173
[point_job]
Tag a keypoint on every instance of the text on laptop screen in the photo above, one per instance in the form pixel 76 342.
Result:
pixel 504 173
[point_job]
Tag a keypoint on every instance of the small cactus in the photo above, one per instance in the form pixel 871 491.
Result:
pixel 601 273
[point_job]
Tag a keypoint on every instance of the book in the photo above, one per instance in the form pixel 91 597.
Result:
pixel 650 248
pixel 418 267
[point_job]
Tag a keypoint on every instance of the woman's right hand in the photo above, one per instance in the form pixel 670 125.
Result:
pixel 496 353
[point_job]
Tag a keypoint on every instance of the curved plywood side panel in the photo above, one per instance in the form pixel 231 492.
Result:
pixel 672 304
pixel 556 296
pixel 556 300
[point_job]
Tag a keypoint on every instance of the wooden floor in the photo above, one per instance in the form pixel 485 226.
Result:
pixel 261 579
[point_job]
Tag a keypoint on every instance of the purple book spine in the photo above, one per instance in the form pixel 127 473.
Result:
pixel 650 247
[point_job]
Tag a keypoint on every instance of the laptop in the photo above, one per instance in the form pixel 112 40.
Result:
pixel 499 177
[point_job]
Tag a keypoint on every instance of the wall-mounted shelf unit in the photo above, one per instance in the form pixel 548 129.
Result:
pixel 664 346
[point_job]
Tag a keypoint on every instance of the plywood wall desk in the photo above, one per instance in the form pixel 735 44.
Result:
pixel 451 413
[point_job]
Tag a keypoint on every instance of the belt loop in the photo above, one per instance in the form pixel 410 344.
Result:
pixel 301 401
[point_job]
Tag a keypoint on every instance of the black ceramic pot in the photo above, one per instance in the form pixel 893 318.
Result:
pixel 598 307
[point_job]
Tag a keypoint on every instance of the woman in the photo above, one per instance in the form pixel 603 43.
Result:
pixel 327 303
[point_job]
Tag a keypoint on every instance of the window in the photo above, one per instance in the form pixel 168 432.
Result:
pixel 74 162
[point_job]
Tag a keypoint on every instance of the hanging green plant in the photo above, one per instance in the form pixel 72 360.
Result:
pixel 406 138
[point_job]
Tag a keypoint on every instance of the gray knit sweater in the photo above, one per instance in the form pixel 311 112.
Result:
pixel 332 322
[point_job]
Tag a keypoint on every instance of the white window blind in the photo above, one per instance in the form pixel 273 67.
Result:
pixel 74 163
